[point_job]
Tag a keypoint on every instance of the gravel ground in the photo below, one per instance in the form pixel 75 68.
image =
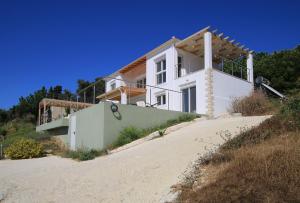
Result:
pixel 142 173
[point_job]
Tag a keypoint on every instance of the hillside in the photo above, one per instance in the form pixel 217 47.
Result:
pixel 142 173
pixel 259 165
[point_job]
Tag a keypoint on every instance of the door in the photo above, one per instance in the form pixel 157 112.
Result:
pixel 189 99
pixel 73 132
pixel 185 100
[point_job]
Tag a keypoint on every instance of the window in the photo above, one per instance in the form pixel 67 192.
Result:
pixel 141 83
pixel 161 71
pixel 113 86
pixel 179 66
pixel 161 99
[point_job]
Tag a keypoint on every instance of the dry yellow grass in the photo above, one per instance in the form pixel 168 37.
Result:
pixel 259 165
pixel 268 172
pixel 254 105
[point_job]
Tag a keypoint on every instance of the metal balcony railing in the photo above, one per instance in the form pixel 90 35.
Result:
pixel 236 68
pixel 181 70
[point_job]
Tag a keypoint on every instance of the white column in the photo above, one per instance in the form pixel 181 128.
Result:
pixel 207 50
pixel 250 67
pixel 123 97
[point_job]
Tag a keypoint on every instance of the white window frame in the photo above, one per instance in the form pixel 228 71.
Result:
pixel 177 67
pixel 113 83
pixel 189 86
pixel 162 71
pixel 141 82
pixel 163 100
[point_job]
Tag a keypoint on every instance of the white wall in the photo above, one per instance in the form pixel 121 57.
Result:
pixel 190 61
pixel 174 102
pixel 151 74
pixel 110 81
pixel 226 88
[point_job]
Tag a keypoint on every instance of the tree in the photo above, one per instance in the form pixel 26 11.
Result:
pixel 85 89
pixel 28 106
pixel 4 116
pixel 281 68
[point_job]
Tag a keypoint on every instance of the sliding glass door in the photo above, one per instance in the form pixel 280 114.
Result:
pixel 189 99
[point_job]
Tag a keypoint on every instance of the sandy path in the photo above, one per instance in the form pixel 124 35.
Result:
pixel 143 173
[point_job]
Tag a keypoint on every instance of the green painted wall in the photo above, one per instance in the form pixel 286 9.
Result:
pixel 136 116
pixel 97 126
pixel 89 127
pixel 62 122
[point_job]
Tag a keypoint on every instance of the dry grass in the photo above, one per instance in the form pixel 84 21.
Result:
pixel 254 105
pixel 268 172
pixel 53 145
pixel 271 127
pixel 259 165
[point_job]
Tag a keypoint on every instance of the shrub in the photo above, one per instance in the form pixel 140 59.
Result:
pixel 24 149
pixel 3 132
pixel 131 133
pixel 162 132
pixel 255 104
pixel 291 111
pixel 187 117
pixel 82 154
pixel 128 135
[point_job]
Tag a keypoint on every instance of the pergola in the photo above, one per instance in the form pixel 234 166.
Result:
pixel 214 47
pixel 221 45
pixel 44 103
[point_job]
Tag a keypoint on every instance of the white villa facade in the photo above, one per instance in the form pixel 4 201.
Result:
pixel 185 75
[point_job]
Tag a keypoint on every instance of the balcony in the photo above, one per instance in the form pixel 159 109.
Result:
pixel 181 71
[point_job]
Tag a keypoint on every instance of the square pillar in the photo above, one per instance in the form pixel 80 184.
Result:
pixel 44 113
pixel 123 97
pixel 39 116
pixel 250 68
pixel 207 50
pixel 208 68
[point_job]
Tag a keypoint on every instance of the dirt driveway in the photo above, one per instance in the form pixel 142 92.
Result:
pixel 143 173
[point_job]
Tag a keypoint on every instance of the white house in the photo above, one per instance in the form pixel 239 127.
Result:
pixel 202 73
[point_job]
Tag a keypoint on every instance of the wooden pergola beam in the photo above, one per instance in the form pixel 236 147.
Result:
pixel 62 103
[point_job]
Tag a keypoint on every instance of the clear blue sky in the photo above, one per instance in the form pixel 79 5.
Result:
pixel 44 43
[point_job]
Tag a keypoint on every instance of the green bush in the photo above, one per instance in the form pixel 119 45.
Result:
pixel 82 154
pixel 128 135
pixel 24 149
pixel 131 133
pixel 291 111
pixel 3 132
